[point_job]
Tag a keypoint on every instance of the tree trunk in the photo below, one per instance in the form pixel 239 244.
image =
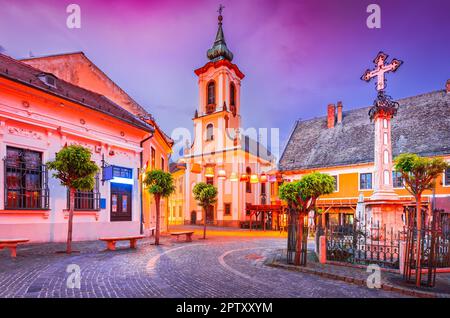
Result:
pixel 419 240
pixel 158 218
pixel 70 227
pixel 204 222
pixel 167 215
pixel 299 239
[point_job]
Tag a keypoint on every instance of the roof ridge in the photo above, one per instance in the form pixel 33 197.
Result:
pixel 25 64
pixel 51 55
pixel 70 85
pixel 421 95
pixel 139 106
pixel 361 108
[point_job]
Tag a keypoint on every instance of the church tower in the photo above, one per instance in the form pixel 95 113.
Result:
pixel 217 118
pixel 220 153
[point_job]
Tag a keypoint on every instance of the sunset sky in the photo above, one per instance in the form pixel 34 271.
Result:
pixel 297 56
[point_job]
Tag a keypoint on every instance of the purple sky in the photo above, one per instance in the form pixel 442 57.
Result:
pixel 298 56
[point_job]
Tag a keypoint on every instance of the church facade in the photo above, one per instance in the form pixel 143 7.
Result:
pixel 220 153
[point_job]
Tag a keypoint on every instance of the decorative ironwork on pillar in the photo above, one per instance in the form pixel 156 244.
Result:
pixel 383 105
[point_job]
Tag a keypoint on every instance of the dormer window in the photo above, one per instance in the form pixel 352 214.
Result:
pixel 48 80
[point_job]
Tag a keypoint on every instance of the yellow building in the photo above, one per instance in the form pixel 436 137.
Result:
pixel 176 200
pixel 342 145
pixel 156 157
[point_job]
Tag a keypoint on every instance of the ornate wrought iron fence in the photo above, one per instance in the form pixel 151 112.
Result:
pixel 364 244
pixel 434 246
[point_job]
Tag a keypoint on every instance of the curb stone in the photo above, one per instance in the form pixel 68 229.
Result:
pixel 361 282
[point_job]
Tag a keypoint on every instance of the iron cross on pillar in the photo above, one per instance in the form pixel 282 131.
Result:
pixel 380 69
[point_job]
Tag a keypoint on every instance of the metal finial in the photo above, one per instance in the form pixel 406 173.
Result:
pixel 221 7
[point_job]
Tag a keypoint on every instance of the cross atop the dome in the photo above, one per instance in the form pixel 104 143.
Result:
pixel 380 69
pixel 221 7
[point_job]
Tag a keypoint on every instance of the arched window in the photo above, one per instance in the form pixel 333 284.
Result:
pixel 386 157
pixel 209 132
pixel 232 94
pixel 248 185
pixel 211 93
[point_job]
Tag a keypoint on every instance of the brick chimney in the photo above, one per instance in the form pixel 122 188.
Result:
pixel 331 115
pixel 339 112
pixel 447 86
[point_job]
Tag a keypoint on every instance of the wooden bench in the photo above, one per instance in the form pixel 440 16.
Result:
pixel 187 233
pixel 111 241
pixel 12 245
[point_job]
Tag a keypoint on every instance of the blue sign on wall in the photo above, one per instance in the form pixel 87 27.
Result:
pixel 122 172
pixel 110 172
pixel 102 203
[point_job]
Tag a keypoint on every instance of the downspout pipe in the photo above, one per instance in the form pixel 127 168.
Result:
pixel 141 230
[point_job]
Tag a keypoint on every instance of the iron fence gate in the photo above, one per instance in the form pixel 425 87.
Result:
pixel 364 244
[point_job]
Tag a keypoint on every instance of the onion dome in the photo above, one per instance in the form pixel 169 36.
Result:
pixel 219 50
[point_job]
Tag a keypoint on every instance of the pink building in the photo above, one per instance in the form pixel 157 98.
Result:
pixel 47 103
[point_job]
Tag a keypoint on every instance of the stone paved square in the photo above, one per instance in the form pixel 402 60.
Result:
pixel 229 263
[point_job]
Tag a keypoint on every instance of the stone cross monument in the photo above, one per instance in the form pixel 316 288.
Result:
pixel 381 113
pixel 384 204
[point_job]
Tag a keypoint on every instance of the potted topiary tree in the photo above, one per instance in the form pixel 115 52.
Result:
pixel 76 171
pixel 205 194
pixel 301 197
pixel 160 185
pixel 418 174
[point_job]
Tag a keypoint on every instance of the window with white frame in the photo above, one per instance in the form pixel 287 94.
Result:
pixel 397 180
pixel 336 187
pixel 26 185
pixel 447 177
pixel 365 181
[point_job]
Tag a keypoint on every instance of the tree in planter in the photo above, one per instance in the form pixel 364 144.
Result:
pixel 76 171
pixel 160 184
pixel 418 174
pixel 205 194
pixel 301 197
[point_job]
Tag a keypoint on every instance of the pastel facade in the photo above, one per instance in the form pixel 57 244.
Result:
pixel 220 153
pixel 344 144
pixel 77 69
pixel 176 201
pixel 62 100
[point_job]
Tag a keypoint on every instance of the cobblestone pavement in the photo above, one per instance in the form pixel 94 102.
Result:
pixel 216 267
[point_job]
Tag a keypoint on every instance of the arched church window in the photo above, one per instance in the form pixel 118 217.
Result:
pixel 248 185
pixel 211 93
pixel 232 94
pixel 209 132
